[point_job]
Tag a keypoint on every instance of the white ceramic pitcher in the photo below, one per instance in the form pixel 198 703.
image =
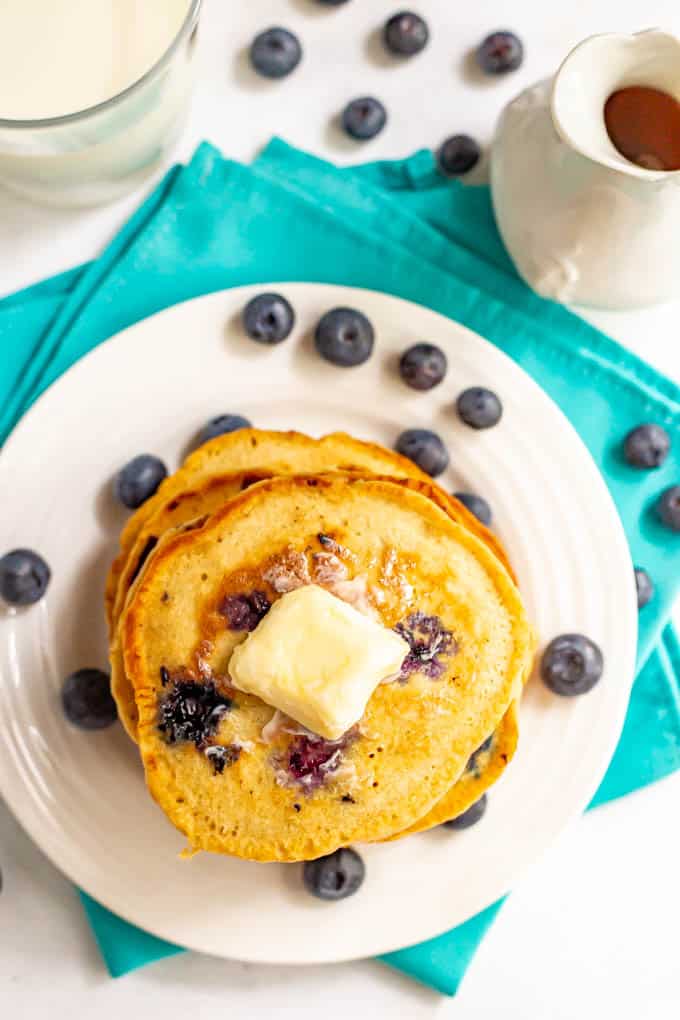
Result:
pixel 581 222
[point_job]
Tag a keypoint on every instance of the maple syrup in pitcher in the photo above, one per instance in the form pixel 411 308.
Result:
pixel 643 123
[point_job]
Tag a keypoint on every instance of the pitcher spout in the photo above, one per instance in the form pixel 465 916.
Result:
pixel 596 69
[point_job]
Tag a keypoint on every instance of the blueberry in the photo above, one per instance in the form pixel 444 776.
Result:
pixel 139 479
pixel 310 760
pixel 190 712
pixel 244 612
pixel 571 664
pixel 425 449
pixel 479 408
pixel 500 52
pixel 222 424
pixel 644 586
pixel 86 699
pixel 430 645
pixel 364 118
pixel 24 577
pixel 669 507
pixel 470 817
pixel 344 337
pixel 457 155
pixel 476 505
pixel 275 52
pixel 406 34
pixel 336 876
pixel 423 366
pixel 268 318
pixel 646 446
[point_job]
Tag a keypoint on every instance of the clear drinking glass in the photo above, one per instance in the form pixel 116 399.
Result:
pixel 100 153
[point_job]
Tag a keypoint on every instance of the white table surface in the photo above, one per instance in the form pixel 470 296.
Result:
pixel 593 930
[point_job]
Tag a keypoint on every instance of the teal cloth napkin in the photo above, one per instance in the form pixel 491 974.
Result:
pixel 398 227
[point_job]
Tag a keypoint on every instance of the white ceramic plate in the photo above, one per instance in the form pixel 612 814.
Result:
pixel 81 796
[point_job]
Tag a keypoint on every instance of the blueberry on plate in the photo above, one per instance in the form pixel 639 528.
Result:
pixel 406 34
pixel 500 52
pixel 336 876
pixel 571 664
pixel 24 577
pixel 424 448
pixel 275 52
pixel 364 118
pixel 139 480
pixel 344 337
pixel 423 366
pixel 646 446
pixel 479 408
pixel 470 817
pixel 669 507
pixel 86 699
pixel 457 155
pixel 476 505
pixel 644 586
pixel 222 424
pixel 268 318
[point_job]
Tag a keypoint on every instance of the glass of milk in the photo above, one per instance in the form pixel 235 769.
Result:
pixel 93 94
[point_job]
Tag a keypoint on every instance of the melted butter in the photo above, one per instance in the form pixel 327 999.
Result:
pixel 317 659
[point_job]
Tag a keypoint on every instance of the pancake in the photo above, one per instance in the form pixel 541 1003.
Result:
pixel 211 494
pixel 206 497
pixel 416 569
pixel 254 450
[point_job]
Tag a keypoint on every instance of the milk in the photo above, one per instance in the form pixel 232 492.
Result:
pixel 61 57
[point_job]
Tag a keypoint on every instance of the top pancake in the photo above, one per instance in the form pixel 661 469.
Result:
pixel 255 450
pixel 417 568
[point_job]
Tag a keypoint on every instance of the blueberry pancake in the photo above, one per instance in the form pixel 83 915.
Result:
pixel 205 498
pixel 484 767
pixel 255 450
pixel 237 777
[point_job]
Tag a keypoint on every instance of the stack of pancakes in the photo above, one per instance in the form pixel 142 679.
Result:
pixel 248 517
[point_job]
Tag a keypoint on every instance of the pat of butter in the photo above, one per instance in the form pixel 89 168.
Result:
pixel 317 659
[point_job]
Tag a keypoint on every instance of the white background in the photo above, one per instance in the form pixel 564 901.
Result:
pixel 594 929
